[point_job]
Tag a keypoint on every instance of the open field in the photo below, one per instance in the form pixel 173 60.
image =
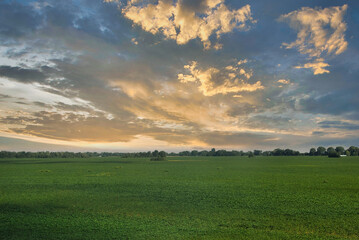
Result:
pixel 183 198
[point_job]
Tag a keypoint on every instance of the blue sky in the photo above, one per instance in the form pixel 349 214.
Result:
pixel 173 75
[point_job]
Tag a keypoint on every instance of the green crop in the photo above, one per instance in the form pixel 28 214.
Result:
pixel 181 198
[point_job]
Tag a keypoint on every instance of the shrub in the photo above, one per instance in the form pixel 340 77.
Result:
pixel 333 154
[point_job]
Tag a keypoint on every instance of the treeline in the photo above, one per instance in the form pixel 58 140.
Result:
pixel 7 154
pixel 149 154
pixel 220 153
pixel 320 151
pixel 330 151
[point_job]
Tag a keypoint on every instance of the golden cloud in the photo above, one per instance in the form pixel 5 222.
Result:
pixel 318 67
pixel 320 32
pixel 180 23
pixel 283 81
pixel 214 81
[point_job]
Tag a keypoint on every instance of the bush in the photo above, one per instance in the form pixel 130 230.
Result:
pixel 333 154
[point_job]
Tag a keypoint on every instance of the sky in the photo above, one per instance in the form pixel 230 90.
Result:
pixel 139 75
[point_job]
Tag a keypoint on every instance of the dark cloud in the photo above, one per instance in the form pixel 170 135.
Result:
pixel 22 103
pixel 22 74
pixel 339 125
pixel 334 103
pixel 41 104
pixel 319 133
pixel 3 96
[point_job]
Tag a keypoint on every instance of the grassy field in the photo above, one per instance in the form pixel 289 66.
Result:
pixel 182 198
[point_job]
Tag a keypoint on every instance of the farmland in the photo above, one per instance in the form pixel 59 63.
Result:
pixel 181 198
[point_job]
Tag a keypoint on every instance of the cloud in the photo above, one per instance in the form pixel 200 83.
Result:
pixel 134 41
pixel 283 81
pixel 341 125
pixel 73 127
pixel 22 74
pixel 213 81
pixel 337 103
pixel 240 62
pixel 321 32
pixel 4 96
pixel 318 67
pixel 78 129
pixel 183 22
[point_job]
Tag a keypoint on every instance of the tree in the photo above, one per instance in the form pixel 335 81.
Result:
pixel 340 150
pixel 203 153
pixel 354 151
pixel 333 154
pixel 162 154
pixel 312 152
pixel 330 149
pixel 320 151
pixel 288 152
pixel 267 153
pixel 159 156
pixel 212 152
pixel 194 153
pixel 155 153
pixel 278 152
pixel 184 153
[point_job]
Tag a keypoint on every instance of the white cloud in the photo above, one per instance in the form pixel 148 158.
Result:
pixel 213 81
pixel 321 32
pixel 181 23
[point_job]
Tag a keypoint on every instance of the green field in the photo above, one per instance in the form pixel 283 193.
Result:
pixel 182 198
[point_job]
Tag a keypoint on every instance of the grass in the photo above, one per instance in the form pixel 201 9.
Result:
pixel 183 198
